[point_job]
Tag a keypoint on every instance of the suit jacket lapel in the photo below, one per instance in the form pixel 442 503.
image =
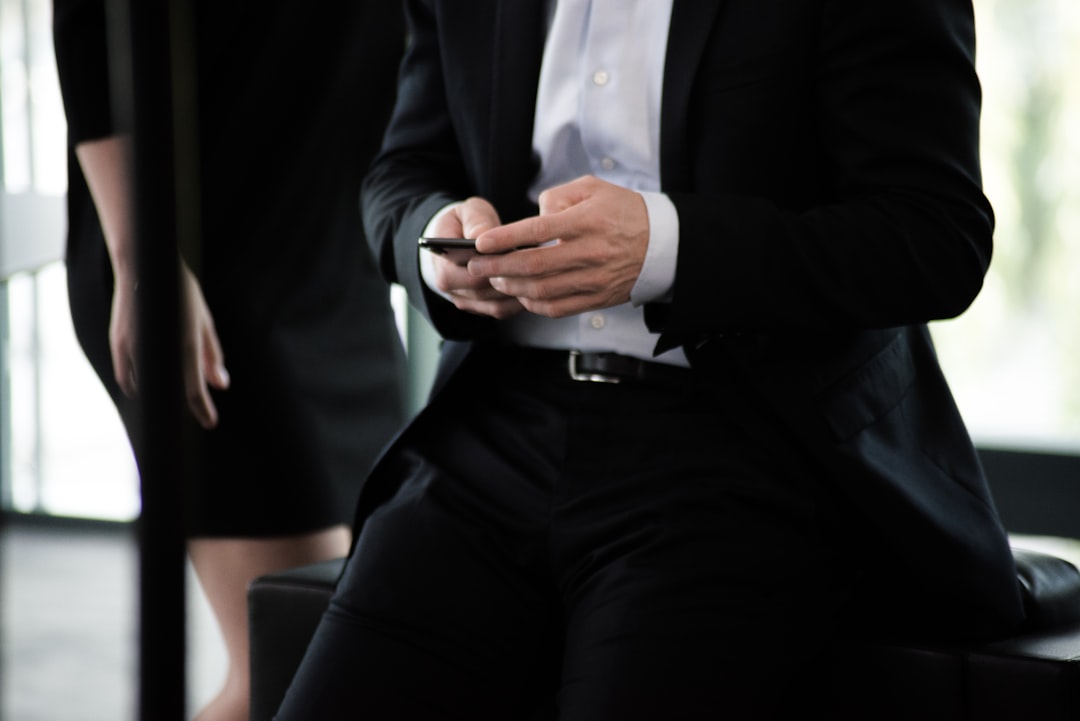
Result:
pixel 517 51
pixel 692 24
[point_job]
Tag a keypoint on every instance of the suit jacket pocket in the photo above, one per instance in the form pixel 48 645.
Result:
pixel 875 388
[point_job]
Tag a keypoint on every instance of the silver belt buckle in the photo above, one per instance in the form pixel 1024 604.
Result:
pixel 577 375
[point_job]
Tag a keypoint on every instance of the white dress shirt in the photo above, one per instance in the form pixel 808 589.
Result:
pixel 598 113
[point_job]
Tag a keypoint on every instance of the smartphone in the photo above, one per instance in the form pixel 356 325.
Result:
pixel 457 250
pixel 441 245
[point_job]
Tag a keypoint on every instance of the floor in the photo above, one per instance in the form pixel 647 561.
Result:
pixel 68 625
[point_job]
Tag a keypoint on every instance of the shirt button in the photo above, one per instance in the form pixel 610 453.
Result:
pixel 607 163
pixel 600 77
pixel 598 321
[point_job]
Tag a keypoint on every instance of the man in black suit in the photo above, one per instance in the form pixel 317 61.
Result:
pixel 688 417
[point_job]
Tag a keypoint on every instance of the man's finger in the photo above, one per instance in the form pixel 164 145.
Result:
pixel 561 197
pixel 501 308
pixel 533 231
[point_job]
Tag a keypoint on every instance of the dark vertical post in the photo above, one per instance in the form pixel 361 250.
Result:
pixel 147 80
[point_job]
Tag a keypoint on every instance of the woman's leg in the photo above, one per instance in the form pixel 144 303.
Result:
pixel 225 567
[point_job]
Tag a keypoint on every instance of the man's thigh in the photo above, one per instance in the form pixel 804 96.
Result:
pixel 429 623
pixel 694 564
pixel 446 609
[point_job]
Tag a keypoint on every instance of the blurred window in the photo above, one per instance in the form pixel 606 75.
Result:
pixel 1013 359
pixel 62 447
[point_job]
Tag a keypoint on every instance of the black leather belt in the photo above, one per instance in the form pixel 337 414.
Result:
pixel 604 367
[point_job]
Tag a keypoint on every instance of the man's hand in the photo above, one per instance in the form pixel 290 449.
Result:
pixel 601 233
pixel 469 292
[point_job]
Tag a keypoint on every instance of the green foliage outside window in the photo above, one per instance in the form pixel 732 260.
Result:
pixel 1014 358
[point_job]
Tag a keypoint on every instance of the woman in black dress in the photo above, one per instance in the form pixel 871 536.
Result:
pixel 292 99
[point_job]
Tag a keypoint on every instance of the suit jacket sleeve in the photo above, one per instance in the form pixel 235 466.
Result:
pixel 419 170
pixel 846 160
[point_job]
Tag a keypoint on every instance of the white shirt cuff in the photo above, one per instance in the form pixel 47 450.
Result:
pixel 657 276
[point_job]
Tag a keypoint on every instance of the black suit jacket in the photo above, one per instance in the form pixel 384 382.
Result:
pixel 823 159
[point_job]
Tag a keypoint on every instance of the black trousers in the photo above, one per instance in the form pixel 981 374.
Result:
pixel 580 551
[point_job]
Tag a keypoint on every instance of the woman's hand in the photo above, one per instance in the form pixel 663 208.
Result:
pixel 123 333
pixel 203 361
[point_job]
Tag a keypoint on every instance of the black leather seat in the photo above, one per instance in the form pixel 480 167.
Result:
pixel 283 610
pixel 1031 676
